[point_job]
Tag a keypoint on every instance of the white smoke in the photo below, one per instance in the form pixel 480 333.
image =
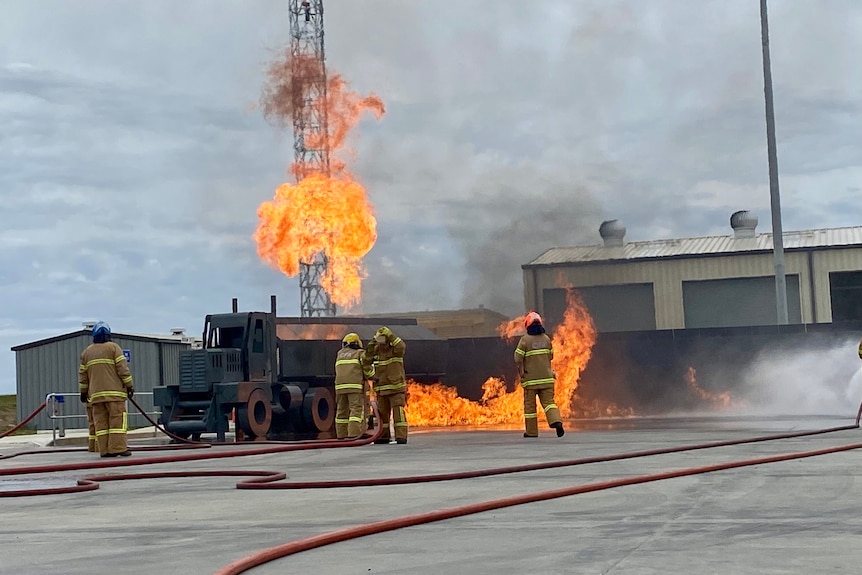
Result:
pixel 804 382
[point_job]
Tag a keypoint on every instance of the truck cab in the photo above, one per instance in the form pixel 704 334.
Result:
pixel 235 370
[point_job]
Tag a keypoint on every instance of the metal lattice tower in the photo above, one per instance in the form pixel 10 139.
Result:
pixel 310 129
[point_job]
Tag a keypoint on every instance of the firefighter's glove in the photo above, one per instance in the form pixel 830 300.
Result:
pixel 84 398
pixel 130 392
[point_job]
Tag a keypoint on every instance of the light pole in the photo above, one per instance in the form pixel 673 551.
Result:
pixel 772 154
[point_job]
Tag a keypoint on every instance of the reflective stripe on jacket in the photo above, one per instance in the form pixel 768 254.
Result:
pixel 533 356
pixel 389 366
pixel 104 373
pixel 352 368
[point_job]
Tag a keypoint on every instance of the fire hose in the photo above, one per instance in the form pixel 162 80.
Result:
pixel 25 421
pixel 317 541
pixel 84 485
pixel 268 479
pixel 293 547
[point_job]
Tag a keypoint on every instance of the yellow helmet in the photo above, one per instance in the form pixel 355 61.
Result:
pixel 351 338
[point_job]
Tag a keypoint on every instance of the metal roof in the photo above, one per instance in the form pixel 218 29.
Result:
pixel 167 338
pixel 693 247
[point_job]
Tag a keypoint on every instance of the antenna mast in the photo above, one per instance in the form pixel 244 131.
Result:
pixel 310 131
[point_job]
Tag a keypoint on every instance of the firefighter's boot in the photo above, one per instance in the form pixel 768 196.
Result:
pixel 559 427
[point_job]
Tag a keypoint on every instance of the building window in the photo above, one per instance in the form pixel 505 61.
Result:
pixel 845 291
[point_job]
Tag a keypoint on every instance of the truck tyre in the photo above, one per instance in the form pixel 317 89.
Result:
pixel 318 409
pixel 255 417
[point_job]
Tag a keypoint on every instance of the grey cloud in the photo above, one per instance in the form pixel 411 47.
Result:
pixel 498 114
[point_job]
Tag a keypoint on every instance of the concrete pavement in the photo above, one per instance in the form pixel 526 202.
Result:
pixel 797 516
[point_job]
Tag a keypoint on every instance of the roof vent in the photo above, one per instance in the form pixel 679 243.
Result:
pixel 178 330
pixel 612 232
pixel 88 324
pixel 743 223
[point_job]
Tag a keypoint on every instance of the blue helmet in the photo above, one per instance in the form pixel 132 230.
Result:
pixel 101 331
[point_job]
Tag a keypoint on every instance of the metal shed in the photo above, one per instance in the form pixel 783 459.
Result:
pixel 51 366
pixel 704 282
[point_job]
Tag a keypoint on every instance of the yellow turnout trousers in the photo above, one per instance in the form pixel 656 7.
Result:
pixel 546 397
pixel 91 426
pixel 109 418
pixel 393 404
pixel 349 414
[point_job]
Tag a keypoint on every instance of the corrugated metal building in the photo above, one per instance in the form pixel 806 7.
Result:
pixel 717 281
pixel 51 366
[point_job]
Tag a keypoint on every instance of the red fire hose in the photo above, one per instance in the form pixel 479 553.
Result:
pixel 273 553
pixel 267 479
pixel 25 422
pixel 293 547
pixel 89 484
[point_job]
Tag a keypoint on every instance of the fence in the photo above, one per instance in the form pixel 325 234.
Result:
pixel 55 402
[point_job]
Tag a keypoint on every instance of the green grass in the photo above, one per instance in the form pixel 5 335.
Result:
pixel 8 418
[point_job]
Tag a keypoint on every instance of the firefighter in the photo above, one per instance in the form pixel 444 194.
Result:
pixel 533 357
pixel 352 368
pixel 106 382
pixel 390 386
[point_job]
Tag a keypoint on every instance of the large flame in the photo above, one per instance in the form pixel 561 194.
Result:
pixel 327 212
pixel 319 214
pixel 440 405
pixel 573 344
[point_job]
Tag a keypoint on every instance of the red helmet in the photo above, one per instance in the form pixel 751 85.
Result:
pixel 532 318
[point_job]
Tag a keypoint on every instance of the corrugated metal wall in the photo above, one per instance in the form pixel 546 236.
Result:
pixel 667 276
pixel 53 368
pixel 49 368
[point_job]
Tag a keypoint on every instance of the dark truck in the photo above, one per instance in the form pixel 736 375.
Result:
pixel 276 375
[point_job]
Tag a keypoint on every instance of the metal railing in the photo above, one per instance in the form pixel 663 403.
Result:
pixel 54 405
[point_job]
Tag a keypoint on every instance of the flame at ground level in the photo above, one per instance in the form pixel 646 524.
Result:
pixel 572 342
pixel 438 405
pixel 721 400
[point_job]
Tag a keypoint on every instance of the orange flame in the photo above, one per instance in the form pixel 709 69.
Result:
pixel 327 212
pixel 720 400
pixel 319 214
pixel 573 344
pixel 514 328
pixel 439 405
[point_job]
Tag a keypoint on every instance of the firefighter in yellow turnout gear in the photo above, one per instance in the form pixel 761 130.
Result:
pixel 533 357
pixel 352 368
pixel 390 385
pixel 104 381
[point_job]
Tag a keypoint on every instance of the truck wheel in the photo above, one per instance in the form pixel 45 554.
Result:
pixel 318 409
pixel 255 417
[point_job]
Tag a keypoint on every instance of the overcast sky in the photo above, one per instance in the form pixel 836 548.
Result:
pixel 132 161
